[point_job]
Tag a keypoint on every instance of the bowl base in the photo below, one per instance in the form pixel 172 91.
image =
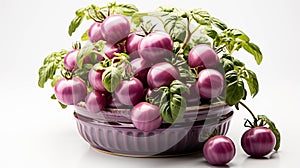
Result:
pixel 142 156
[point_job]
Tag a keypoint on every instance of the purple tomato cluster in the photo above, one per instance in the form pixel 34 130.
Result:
pixel 149 67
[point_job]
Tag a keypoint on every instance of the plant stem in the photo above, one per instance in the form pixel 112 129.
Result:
pixel 252 114
pixel 188 34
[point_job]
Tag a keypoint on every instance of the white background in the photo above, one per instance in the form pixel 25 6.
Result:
pixel 35 132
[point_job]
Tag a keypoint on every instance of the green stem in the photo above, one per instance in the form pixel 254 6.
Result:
pixel 188 34
pixel 252 114
pixel 196 29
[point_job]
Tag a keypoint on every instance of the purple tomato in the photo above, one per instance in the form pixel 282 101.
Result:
pixel 130 92
pixel 162 74
pixel 219 150
pixel 145 116
pixel 132 43
pixel 155 47
pixel 258 142
pixel 70 91
pixel 109 50
pixel 94 32
pixel 95 79
pixel 70 60
pixel 95 101
pixel 210 83
pixel 115 28
pixel 203 56
pixel 140 69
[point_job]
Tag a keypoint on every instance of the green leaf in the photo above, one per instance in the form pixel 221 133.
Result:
pixel 85 36
pixel 218 23
pixel 46 72
pixel 111 78
pixel 273 128
pixel 240 35
pixel 83 53
pixel 53 97
pixel 201 17
pixel 252 82
pixel 137 18
pixel 254 50
pixel 125 9
pixel 231 76
pixel 177 87
pixel 237 62
pixel 228 65
pixel 177 106
pixel 63 106
pixel 234 92
pixel 75 24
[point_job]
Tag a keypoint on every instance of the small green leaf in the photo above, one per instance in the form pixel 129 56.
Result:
pixel 75 24
pixel 231 76
pixel 234 92
pixel 218 23
pixel 111 78
pixel 53 97
pixel 228 65
pixel 273 128
pixel 85 36
pixel 252 82
pixel 63 106
pixel 254 50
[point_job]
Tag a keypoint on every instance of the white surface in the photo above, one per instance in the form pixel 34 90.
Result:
pixel 35 132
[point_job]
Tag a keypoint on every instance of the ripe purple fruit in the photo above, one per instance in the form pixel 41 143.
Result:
pixel 258 142
pixel 146 116
pixel 130 92
pixel 132 43
pixel 115 28
pixel 219 150
pixel 95 101
pixel 203 56
pixel 162 74
pixel 155 47
pixel 70 91
pixel 94 32
pixel 210 83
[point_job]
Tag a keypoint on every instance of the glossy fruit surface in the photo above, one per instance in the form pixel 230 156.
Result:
pixel 203 56
pixel 140 69
pixel 219 150
pixel 70 91
pixel 95 79
pixel 146 116
pixel 95 101
pixel 70 60
pixel 130 92
pixel 210 83
pixel 258 142
pixel 110 50
pixel 115 28
pixel 94 32
pixel 132 43
pixel 155 47
pixel 162 74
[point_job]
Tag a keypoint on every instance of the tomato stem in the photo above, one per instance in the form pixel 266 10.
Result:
pixel 188 34
pixel 252 114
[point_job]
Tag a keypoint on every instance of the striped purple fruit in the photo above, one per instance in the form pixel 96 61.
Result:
pixel 258 142
pixel 155 47
pixel 219 150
